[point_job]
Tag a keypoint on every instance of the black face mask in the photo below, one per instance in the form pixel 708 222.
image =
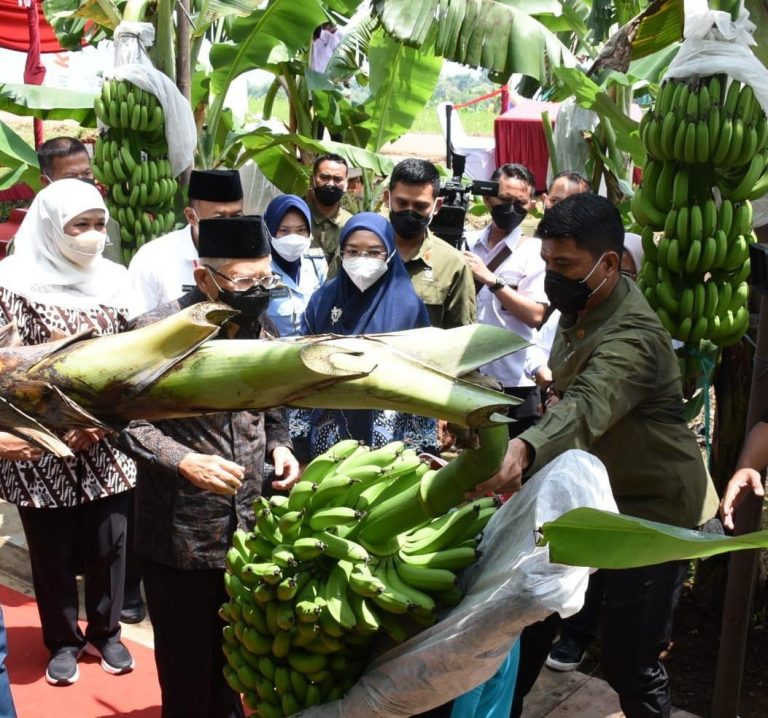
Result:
pixel 251 303
pixel 408 224
pixel 508 216
pixel 328 194
pixel 568 295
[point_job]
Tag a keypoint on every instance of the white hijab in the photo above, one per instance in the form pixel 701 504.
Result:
pixel 40 271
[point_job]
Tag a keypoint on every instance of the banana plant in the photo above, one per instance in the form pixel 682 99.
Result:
pixel 18 161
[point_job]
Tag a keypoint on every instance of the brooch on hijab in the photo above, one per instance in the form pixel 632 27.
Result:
pixel 335 315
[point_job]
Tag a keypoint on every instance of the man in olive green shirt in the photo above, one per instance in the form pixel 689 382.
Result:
pixel 329 183
pixel 620 399
pixel 439 272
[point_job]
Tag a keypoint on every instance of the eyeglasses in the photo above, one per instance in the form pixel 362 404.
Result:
pixel 373 253
pixel 241 284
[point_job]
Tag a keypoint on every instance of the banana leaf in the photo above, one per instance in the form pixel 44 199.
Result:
pixel 502 38
pixel 281 24
pixel 601 539
pixel 262 139
pixel 402 80
pixel 77 24
pixel 48 103
pixel 19 159
pixel 661 26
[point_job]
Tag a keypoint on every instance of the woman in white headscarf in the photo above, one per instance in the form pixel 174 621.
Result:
pixel 73 510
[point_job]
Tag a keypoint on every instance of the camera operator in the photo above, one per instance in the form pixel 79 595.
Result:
pixel 509 278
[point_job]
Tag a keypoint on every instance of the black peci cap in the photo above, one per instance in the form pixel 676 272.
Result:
pixel 215 185
pixel 243 237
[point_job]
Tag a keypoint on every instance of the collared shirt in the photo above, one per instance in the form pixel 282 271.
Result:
pixel 326 230
pixel 287 303
pixel 178 524
pixel 443 280
pixel 523 270
pixel 163 269
pixel 622 401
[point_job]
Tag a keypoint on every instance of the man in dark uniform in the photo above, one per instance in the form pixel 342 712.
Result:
pixel 620 396
pixel 198 478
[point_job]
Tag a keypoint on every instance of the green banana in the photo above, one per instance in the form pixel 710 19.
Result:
pixel 425 577
pixel 336 588
pixel 451 558
pixel 333 517
pixel 745 186
pixel 341 548
pixel 420 601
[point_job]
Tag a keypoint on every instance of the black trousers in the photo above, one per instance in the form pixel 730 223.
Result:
pixel 582 626
pixel 637 617
pixel 64 541
pixel 183 606
pixel 132 593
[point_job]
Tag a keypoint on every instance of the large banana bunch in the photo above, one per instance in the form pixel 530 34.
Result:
pixel 130 160
pixel 707 144
pixel 309 591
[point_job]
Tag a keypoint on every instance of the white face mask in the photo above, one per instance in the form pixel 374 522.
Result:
pixel 291 246
pixel 364 271
pixel 84 248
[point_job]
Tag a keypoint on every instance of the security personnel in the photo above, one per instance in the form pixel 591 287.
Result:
pixel 329 184
pixel 439 273
pixel 621 399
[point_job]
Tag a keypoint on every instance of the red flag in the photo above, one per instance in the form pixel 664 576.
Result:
pixel 34 71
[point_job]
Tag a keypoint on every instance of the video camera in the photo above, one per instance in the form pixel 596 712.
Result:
pixel 448 223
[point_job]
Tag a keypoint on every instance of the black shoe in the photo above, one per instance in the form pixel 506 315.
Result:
pixel 566 655
pixel 115 658
pixel 62 669
pixel 134 610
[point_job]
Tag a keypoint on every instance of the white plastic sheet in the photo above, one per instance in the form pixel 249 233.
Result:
pixel 132 40
pixel 513 585
pixel 571 150
pixel 715 43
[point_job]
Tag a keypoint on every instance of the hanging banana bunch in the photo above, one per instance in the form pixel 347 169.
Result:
pixel 364 544
pixel 130 159
pixel 707 145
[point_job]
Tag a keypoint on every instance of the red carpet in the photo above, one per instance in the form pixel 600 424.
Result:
pixel 96 695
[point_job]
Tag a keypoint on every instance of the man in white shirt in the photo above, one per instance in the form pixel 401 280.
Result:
pixel 509 276
pixel 163 269
pixel 325 40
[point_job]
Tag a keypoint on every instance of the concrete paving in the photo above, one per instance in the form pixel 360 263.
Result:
pixel 555 695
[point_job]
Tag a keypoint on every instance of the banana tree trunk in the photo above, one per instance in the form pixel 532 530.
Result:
pixel 170 370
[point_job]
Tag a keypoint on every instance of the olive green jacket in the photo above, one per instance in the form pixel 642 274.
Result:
pixel 621 400
pixel 326 230
pixel 443 280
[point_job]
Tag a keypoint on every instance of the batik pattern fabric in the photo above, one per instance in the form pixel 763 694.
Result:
pixel 321 433
pixel 93 473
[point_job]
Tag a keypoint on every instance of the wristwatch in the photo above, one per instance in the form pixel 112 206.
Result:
pixel 498 284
